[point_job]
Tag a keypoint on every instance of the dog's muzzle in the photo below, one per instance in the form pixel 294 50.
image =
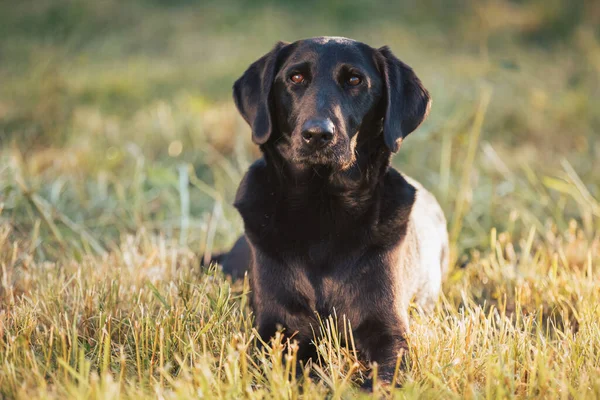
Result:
pixel 317 133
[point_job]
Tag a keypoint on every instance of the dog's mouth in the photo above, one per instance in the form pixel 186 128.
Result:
pixel 329 156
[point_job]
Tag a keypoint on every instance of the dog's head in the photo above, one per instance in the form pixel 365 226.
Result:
pixel 313 97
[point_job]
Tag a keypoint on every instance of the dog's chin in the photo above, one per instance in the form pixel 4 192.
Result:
pixel 324 158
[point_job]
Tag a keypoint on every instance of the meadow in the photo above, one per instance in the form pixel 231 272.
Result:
pixel 120 154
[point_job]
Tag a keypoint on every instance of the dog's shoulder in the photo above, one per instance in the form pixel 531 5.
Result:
pixel 393 209
pixel 256 194
pixel 399 194
pixel 253 185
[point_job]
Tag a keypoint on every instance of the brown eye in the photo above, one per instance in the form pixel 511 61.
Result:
pixel 297 78
pixel 354 81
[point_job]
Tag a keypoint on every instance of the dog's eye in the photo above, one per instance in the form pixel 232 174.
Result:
pixel 354 80
pixel 297 78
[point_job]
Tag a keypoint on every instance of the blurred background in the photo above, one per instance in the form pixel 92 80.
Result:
pixel 116 117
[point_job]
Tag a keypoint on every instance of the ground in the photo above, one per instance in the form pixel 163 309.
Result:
pixel 120 153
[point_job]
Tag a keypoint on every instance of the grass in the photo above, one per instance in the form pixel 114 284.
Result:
pixel 120 153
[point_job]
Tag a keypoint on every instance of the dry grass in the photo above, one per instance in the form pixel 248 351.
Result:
pixel 120 153
pixel 143 320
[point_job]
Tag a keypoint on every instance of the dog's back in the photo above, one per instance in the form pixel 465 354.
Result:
pixel 428 237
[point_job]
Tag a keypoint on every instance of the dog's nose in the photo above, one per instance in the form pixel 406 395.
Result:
pixel 318 133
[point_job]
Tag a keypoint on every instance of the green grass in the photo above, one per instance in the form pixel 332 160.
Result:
pixel 120 154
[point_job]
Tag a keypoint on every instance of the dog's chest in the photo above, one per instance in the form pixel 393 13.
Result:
pixel 318 222
pixel 331 292
pixel 318 252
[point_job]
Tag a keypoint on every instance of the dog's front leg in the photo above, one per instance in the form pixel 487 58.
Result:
pixel 283 300
pixel 382 341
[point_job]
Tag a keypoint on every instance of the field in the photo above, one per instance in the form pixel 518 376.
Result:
pixel 120 154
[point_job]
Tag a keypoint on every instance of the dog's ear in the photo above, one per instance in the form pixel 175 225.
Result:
pixel 407 101
pixel 252 94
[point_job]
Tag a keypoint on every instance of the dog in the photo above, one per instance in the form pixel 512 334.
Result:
pixel 329 224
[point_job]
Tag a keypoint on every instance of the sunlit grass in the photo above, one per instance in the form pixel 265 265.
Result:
pixel 138 317
pixel 144 320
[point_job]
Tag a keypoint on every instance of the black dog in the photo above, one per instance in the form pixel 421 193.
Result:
pixel 328 224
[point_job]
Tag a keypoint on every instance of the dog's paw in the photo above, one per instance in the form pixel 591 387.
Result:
pixel 367 385
pixel 382 381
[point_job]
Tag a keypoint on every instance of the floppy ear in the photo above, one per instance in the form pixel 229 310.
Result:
pixel 408 102
pixel 252 94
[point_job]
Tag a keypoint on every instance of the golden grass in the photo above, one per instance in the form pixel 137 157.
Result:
pixel 144 321
pixel 139 318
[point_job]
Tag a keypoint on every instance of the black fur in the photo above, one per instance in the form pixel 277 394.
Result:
pixel 325 227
